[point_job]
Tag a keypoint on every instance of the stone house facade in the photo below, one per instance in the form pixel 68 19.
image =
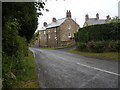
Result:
pixel 93 21
pixel 59 32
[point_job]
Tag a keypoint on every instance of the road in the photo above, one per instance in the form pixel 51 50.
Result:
pixel 60 69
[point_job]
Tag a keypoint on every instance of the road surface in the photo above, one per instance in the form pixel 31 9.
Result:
pixel 60 69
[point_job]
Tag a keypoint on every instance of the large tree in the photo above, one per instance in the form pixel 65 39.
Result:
pixel 19 23
pixel 25 13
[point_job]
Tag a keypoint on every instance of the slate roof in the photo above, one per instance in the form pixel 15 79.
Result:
pixel 54 24
pixel 94 21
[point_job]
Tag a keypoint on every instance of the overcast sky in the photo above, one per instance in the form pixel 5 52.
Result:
pixel 79 8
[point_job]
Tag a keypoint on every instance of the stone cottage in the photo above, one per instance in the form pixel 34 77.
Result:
pixel 58 33
pixel 93 21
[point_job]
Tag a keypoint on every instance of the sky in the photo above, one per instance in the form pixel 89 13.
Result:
pixel 78 8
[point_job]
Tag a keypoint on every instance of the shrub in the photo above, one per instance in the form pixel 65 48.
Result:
pixel 117 46
pixel 99 32
pixel 14 50
pixel 98 46
pixel 114 45
pixel 81 46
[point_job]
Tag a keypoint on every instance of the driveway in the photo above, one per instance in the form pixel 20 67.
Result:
pixel 60 69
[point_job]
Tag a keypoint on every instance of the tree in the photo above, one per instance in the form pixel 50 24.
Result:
pixel 116 18
pixel 19 23
pixel 25 14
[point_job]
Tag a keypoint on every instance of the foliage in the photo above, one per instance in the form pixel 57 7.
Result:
pixel 19 23
pixel 81 46
pixel 100 32
pixel 105 55
pixel 14 50
pixel 35 37
pixel 97 46
pixel 98 37
pixel 25 14
pixel 114 45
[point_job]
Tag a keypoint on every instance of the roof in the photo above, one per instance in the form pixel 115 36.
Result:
pixel 94 21
pixel 54 24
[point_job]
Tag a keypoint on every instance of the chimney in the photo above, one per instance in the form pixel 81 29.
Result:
pixel 108 17
pixel 68 14
pixel 86 17
pixel 97 16
pixel 45 24
pixel 54 20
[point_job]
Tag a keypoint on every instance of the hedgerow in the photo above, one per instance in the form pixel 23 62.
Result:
pixel 99 38
pixel 99 32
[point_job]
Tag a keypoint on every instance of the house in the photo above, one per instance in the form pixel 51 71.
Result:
pixel 59 32
pixel 93 21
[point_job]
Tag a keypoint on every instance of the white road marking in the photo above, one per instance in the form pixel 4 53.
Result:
pixel 99 69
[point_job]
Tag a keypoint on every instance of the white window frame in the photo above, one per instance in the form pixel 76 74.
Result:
pixel 48 31
pixel 69 35
pixel 44 32
pixel 39 32
pixel 69 26
pixel 55 38
pixel 49 36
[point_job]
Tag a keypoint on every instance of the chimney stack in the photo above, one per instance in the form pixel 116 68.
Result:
pixel 108 17
pixel 68 14
pixel 54 19
pixel 45 24
pixel 86 17
pixel 97 16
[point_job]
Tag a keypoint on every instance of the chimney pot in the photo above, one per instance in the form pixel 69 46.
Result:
pixel 54 19
pixel 97 16
pixel 86 17
pixel 45 24
pixel 108 17
pixel 68 13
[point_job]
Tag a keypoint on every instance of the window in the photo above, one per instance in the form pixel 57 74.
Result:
pixel 69 26
pixel 55 30
pixel 69 35
pixel 48 31
pixel 55 38
pixel 44 32
pixel 49 37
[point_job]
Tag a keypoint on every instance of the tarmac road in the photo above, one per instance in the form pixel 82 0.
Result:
pixel 60 69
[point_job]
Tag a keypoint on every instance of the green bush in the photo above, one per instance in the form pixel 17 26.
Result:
pixel 81 46
pixel 14 50
pixel 114 45
pixel 117 46
pixel 99 32
pixel 98 46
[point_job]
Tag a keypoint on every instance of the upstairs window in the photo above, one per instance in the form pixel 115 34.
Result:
pixel 48 31
pixel 44 32
pixel 68 26
pixel 49 37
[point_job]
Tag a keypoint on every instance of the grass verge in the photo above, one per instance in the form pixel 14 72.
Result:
pixel 29 76
pixel 106 55
pixel 56 47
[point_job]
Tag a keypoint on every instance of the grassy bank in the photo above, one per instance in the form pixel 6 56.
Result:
pixel 29 76
pixel 56 47
pixel 106 55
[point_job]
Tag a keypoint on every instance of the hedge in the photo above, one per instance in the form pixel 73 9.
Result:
pixel 99 46
pixel 99 32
